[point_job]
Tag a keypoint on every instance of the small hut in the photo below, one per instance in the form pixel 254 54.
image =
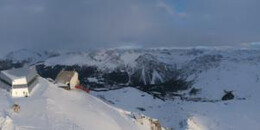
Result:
pixel 67 79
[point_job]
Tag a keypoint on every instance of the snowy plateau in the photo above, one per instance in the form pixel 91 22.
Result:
pixel 184 88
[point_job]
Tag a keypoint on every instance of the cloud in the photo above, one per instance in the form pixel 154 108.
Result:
pixel 168 8
pixel 251 45
pixel 84 24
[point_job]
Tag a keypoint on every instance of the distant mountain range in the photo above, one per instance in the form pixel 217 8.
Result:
pixel 160 72
pixel 203 88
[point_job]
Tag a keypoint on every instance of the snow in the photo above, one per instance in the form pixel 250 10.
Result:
pixel 18 73
pixel 237 71
pixel 156 76
pixel 194 124
pixel 241 78
pixel 30 55
pixel 143 76
pixel 101 59
pixel 129 58
pixel 184 115
pixel 93 80
pixel 50 107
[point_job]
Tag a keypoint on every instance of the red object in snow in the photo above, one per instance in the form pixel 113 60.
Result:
pixel 79 87
pixel 87 90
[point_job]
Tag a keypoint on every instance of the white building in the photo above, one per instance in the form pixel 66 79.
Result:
pixel 67 79
pixel 19 82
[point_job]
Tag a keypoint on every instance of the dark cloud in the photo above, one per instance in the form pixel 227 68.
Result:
pixel 84 24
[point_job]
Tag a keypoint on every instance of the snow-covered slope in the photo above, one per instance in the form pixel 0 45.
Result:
pixel 54 108
pixel 211 70
pixel 187 115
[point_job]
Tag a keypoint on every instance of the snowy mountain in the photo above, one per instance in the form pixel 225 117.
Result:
pixel 53 108
pixel 30 56
pixel 185 88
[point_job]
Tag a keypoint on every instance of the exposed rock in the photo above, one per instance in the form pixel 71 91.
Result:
pixel 154 124
pixel 16 108
pixel 194 91
pixel 228 96
pixel 140 108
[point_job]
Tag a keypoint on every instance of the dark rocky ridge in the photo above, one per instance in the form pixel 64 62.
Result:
pixel 117 78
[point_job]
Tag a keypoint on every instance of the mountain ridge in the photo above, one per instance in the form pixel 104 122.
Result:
pixel 183 88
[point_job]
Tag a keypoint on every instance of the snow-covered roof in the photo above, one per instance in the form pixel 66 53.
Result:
pixel 26 72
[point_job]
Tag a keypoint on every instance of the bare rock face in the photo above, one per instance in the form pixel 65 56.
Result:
pixel 228 96
pixel 16 108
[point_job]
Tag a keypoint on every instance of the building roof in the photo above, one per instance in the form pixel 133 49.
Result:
pixel 64 77
pixel 25 72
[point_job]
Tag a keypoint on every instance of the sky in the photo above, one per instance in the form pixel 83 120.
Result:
pixel 90 24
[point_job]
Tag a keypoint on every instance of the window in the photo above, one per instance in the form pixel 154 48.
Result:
pixel 20 86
